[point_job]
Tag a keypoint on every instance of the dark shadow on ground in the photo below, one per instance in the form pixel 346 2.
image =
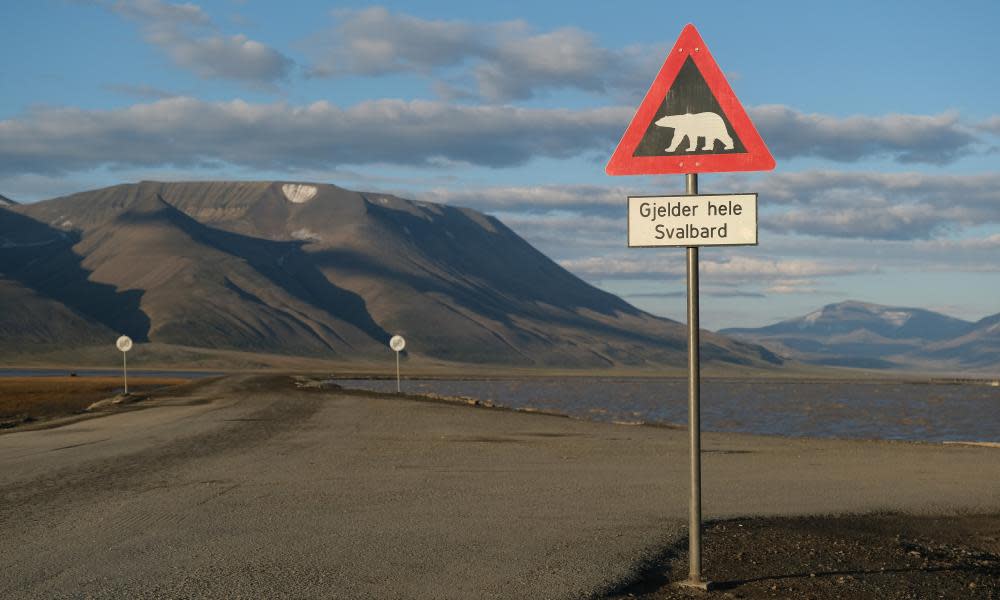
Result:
pixel 41 258
pixel 863 556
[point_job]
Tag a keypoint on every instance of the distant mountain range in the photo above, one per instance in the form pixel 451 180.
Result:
pixel 859 334
pixel 310 270
pixel 5 201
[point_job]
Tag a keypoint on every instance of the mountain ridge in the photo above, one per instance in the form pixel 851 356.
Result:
pixel 864 334
pixel 317 270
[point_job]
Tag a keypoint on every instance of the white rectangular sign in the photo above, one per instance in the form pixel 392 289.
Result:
pixel 701 220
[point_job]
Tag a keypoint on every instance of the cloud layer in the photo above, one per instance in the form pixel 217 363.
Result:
pixel 188 132
pixel 498 62
pixel 734 269
pixel 188 36
pixel 930 139
pixel 823 203
pixel 889 206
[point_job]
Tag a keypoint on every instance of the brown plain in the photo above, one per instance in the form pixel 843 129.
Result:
pixel 33 398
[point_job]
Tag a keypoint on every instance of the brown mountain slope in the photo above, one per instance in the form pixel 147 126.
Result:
pixel 41 266
pixel 316 269
pixel 206 287
pixel 40 323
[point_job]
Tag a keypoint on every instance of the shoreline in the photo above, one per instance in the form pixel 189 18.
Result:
pixel 476 402
pixel 323 383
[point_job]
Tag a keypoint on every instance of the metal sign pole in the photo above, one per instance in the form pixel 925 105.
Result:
pixel 397 373
pixel 694 407
pixel 125 371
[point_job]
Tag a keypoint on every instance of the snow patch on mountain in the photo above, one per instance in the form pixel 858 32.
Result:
pixel 897 318
pixel 811 318
pixel 299 193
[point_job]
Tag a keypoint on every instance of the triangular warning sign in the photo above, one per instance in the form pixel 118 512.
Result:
pixel 690 121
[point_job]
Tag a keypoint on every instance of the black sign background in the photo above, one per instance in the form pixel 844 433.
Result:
pixel 688 94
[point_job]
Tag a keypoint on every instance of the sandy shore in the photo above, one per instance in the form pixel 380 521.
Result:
pixel 253 487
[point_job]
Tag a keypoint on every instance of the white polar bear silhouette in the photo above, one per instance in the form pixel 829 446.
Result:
pixel 706 125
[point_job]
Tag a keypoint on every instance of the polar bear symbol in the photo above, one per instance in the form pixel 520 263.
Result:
pixel 706 125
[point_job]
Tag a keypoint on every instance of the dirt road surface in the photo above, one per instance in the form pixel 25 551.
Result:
pixel 248 487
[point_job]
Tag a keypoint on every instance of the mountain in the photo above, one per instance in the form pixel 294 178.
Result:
pixel 5 201
pixel 978 348
pixel 869 335
pixel 316 270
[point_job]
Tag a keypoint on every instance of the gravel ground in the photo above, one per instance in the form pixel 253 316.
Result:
pixel 254 487
pixel 884 556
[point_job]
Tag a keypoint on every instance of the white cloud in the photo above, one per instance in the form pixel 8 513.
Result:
pixel 933 139
pixel 566 57
pixel 186 33
pixel 874 206
pixel 973 254
pixel 816 187
pixel 498 61
pixel 229 57
pixel 732 269
pixel 189 132
pixel 374 41
pixel 878 205
pixel 531 197
pixel 161 14
pixel 876 220
pixel 792 286
pixel 992 124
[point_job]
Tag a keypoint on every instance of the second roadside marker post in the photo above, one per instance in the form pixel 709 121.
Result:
pixel 691 122
pixel 124 343
pixel 397 343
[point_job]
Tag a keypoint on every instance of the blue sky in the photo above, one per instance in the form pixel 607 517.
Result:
pixel 883 117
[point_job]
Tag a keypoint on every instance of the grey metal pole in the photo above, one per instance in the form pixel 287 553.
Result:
pixel 694 405
pixel 125 370
pixel 397 372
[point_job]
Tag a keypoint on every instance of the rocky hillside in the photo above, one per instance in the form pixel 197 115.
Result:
pixel 317 270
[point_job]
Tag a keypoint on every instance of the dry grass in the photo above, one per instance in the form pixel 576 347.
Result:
pixel 25 399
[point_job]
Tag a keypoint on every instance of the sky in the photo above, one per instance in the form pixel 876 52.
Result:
pixel 883 117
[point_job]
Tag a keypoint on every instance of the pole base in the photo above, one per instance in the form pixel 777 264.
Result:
pixel 696 584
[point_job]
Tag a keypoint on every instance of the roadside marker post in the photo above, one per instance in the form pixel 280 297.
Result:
pixel 124 343
pixel 397 343
pixel 691 122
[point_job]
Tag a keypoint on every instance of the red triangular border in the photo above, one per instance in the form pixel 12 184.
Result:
pixel 756 158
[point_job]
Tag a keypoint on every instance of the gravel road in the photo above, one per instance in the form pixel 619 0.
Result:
pixel 249 487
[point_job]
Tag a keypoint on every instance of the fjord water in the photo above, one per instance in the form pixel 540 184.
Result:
pixel 930 412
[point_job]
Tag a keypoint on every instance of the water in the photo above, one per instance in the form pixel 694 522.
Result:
pixel 105 373
pixel 890 411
